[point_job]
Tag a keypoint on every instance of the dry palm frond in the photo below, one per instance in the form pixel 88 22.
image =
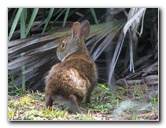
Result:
pixel 134 19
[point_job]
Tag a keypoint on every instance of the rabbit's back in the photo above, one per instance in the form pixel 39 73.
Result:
pixel 73 76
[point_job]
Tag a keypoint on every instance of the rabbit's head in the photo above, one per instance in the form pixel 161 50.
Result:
pixel 75 42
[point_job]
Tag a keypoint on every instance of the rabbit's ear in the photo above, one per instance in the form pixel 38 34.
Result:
pixel 75 30
pixel 85 29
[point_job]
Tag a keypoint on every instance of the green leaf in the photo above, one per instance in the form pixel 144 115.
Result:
pixel 102 86
pixel 23 78
pixel 59 12
pixel 94 15
pixel 66 15
pixel 22 24
pixel 14 24
pixel 33 16
pixel 48 19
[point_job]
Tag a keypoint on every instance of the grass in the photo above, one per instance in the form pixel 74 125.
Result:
pixel 12 89
pixel 122 103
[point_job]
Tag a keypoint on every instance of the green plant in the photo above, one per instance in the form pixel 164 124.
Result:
pixel 36 95
pixel 103 107
pixel 31 107
pixel 83 117
pixel 11 113
pixel 55 113
pixel 26 100
pixel 154 100
pixel 115 102
pixel 134 117
pixel 20 16
pixel 12 88
pixel 137 92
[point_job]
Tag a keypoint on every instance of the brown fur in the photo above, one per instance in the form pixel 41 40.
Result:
pixel 76 76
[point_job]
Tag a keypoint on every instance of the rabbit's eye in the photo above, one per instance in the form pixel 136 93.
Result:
pixel 62 45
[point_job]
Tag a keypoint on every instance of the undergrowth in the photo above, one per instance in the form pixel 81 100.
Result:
pixel 121 103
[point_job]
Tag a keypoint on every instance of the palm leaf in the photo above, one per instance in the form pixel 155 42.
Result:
pixel 66 15
pixel 48 19
pixel 33 44
pixel 22 24
pixel 115 58
pixel 134 17
pixel 15 22
pixel 133 20
pixel 33 16
pixel 109 34
pixel 21 41
pixel 94 15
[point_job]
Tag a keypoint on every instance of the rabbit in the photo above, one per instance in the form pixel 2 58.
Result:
pixel 75 77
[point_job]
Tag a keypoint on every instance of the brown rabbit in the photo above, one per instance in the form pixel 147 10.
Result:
pixel 75 77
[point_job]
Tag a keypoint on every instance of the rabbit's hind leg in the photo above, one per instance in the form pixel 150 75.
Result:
pixel 73 105
pixel 48 101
